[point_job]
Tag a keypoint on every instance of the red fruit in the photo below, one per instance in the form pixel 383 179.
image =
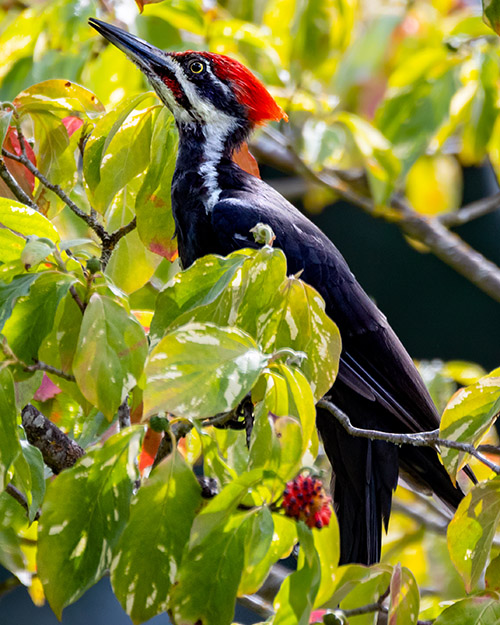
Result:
pixel 305 499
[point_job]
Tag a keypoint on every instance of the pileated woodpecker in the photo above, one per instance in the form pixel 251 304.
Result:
pixel 217 103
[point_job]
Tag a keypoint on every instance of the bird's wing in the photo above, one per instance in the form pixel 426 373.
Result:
pixel 374 363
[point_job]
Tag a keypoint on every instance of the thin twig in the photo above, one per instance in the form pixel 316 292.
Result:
pixel 13 185
pixel 418 439
pixel 20 498
pixel 43 366
pixel 77 299
pixel 91 222
pixel 471 211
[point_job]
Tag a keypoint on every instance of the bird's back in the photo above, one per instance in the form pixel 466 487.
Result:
pixel 378 386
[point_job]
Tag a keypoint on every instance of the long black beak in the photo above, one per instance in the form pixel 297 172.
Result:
pixel 146 56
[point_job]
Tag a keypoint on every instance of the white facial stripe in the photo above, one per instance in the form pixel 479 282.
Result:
pixel 216 134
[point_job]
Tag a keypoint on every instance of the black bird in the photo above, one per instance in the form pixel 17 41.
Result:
pixel 217 102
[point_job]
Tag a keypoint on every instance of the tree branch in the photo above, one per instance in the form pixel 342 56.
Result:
pixel 91 221
pixel 444 244
pixel 420 439
pixel 58 450
pixel 13 185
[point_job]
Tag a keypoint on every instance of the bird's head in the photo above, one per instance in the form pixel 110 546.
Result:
pixel 199 87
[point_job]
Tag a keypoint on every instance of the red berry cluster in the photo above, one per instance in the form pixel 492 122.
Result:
pixel 304 498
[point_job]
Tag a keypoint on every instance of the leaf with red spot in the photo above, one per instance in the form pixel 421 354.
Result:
pixel 72 124
pixel 60 97
pixel 141 3
pixel 155 223
pixel 24 178
pixel 47 389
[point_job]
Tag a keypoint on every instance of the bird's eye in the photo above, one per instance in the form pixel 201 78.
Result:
pixel 197 67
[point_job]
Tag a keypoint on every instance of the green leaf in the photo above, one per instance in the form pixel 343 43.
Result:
pixel 199 285
pixel 101 137
pixel 5 117
pixel 327 544
pixel 355 585
pixel 200 370
pixel 83 514
pixel 413 113
pixel 405 597
pixel 24 220
pixel 9 293
pixel 10 447
pixel 32 318
pixel 491 14
pixel 382 166
pixel 149 552
pixel 295 598
pixel 284 428
pixel 471 531
pixel 12 519
pixel 299 322
pixel 492 576
pixel 209 575
pixel 472 611
pixel 127 155
pixel 155 222
pixel 467 417
pixel 220 508
pixel 58 96
pixel 239 290
pixel 110 354
pixel 51 139
pixel 483 108
pixel 131 265
pixel 35 487
pixel 283 540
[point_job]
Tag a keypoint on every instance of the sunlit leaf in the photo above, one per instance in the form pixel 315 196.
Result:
pixel 471 611
pixel 58 96
pixel 24 220
pixel 110 355
pixel 327 544
pixel 295 599
pixel 79 527
pixel 434 184
pixel 472 529
pixel 405 598
pixel 155 222
pixel 200 370
pixel 32 318
pixel 149 551
pixel 299 322
pixel 468 416
pixel 127 155
pixel 412 114
pixel 382 166
pixel 10 446
pixel 101 137
pixel 284 538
